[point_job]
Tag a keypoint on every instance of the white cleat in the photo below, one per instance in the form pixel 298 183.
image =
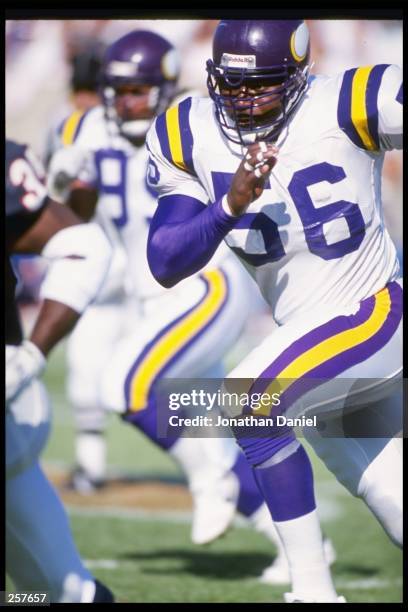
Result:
pixel 214 510
pixel 293 598
pixel 278 572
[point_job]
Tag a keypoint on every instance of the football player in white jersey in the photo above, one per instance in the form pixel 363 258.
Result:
pixel 125 345
pixel 286 168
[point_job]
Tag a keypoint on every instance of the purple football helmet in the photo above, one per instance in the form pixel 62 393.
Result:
pixel 137 59
pixel 252 56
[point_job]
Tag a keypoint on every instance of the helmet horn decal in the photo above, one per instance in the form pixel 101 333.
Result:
pixel 299 42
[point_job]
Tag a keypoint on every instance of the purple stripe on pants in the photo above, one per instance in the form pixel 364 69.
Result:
pixel 341 362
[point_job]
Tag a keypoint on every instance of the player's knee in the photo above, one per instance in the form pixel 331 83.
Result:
pixel 259 450
pixel 344 457
pixel 84 381
pixel 393 519
pixel 112 392
pixel 89 418
pixel 82 393
pixel 381 487
pixel 115 380
pixel 387 507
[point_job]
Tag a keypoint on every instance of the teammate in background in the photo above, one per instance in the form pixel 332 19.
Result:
pixel 84 86
pixel 286 167
pixel 84 83
pixel 84 94
pixel 156 333
pixel 40 553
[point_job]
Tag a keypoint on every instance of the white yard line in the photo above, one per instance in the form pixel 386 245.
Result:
pixel 136 514
pixel 110 564
pixel 368 583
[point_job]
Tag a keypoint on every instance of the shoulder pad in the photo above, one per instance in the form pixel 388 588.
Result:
pixel 357 110
pixel 175 136
pixel 71 126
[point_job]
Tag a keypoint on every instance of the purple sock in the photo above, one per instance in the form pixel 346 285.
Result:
pixel 288 486
pixel 250 498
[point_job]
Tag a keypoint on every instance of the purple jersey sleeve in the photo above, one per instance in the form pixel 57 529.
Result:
pixel 184 235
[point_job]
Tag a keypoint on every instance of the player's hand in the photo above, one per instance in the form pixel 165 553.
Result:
pixel 23 363
pixel 249 180
pixel 65 167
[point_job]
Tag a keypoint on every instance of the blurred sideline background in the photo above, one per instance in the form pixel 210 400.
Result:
pixel 126 536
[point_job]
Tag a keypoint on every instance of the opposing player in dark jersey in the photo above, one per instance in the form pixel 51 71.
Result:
pixel 40 553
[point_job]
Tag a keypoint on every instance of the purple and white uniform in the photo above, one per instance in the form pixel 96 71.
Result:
pixel 315 241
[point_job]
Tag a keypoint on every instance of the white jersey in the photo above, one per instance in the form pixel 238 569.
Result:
pixel 117 170
pixel 315 239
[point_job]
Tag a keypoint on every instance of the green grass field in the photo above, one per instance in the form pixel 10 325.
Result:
pixel 146 557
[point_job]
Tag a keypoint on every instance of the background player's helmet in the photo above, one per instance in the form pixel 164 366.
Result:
pixel 86 65
pixel 140 58
pixel 258 52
